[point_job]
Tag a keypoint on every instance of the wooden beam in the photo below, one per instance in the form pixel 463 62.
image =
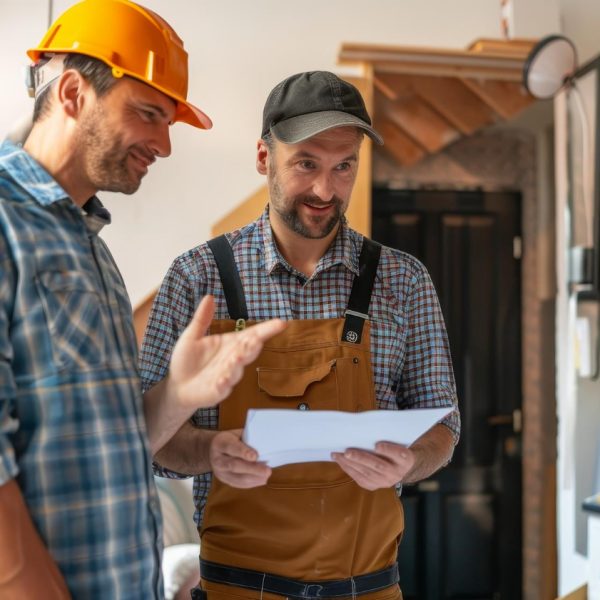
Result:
pixel 359 210
pixel 393 86
pixel 423 124
pixel 517 47
pixel 398 144
pixel 456 102
pixel 504 98
pixel 506 66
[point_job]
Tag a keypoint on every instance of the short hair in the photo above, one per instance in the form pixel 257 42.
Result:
pixel 97 73
pixel 268 140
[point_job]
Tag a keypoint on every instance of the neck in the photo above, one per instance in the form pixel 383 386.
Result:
pixel 51 144
pixel 301 253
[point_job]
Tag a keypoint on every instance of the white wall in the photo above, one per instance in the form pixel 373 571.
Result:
pixel 238 51
pixel 578 403
pixel 580 22
pixel 578 399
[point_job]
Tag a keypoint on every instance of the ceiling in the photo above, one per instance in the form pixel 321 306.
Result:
pixel 427 98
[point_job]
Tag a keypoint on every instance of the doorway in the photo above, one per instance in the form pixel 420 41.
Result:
pixel 463 536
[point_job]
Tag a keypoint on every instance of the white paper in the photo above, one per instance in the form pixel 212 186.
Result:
pixel 294 436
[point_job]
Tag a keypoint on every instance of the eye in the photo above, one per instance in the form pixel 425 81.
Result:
pixel 306 164
pixel 148 116
pixel 345 166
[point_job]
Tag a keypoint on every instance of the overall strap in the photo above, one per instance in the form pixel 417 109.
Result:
pixel 230 277
pixel 360 296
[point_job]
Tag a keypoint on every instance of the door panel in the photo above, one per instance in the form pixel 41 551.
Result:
pixel 463 525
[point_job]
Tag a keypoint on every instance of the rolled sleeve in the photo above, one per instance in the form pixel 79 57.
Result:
pixel 427 376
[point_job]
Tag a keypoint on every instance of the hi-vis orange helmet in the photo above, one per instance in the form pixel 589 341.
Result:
pixel 133 41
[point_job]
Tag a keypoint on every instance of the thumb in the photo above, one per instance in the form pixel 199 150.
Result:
pixel 202 317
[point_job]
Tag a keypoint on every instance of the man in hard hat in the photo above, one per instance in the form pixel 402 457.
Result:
pixel 79 514
pixel 365 331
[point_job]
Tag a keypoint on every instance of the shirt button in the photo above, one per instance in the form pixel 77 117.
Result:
pixel 303 406
pixel 153 504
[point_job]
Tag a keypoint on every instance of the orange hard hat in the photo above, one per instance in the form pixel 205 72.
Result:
pixel 133 41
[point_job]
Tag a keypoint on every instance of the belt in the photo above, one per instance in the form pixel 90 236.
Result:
pixel 294 588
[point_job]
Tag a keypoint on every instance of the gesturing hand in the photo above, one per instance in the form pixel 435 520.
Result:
pixel 234 463
pixel 383 468
pixel 204 368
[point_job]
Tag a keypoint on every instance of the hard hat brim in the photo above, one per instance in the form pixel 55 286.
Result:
pixel 192 115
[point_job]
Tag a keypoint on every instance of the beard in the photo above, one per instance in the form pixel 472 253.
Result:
pixel 105 157
pixel 314 227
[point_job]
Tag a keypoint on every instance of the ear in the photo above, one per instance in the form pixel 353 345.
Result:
pixel 262 156
pixel 71 90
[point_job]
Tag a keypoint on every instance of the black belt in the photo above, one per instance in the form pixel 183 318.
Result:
pixel 294 588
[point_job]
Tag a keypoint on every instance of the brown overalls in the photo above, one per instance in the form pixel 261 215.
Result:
pixel 310 523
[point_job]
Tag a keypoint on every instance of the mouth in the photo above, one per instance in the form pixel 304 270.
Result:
pixel 141 160
pixel 318 209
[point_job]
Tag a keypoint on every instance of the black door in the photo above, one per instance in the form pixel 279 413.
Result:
pixel 463 526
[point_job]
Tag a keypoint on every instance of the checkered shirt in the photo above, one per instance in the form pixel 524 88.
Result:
pixel 410 355
pixel 72 429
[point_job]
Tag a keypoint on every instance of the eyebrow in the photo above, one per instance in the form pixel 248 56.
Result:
pixel 155 107
pixel 305 154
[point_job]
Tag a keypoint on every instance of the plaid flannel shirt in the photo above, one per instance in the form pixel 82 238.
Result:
pixel 72 429
pixel 410 356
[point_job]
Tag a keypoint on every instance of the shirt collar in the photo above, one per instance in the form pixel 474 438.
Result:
pixel 43 188
pixel 342 251
pixel 30 175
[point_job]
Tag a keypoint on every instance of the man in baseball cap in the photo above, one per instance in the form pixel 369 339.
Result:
pixel 365 331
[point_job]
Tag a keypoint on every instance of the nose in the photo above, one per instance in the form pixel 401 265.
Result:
pixel 323 187
pixel 161 144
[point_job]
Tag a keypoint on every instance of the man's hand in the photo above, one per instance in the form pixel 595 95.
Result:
pixel 393 463
pixel 203 368
pixel 384 468
pixel 235 463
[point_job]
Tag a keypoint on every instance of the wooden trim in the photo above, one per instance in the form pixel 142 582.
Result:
pixel 578 594
pixel 246 212
pixel 359 209
pixel 486 60
pixel 515 53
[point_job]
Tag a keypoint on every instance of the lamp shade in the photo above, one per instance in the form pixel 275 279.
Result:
pixel 549 65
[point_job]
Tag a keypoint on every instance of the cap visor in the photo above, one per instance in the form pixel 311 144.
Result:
pixel 300 128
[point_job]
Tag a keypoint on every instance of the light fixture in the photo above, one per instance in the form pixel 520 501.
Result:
pixel 550 65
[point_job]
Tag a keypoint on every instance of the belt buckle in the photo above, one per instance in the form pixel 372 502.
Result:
pixel 313 590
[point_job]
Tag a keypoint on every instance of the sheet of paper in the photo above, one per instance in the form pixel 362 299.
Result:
pixel 294 436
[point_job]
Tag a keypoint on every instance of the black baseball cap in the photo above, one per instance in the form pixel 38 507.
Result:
pixel 308 103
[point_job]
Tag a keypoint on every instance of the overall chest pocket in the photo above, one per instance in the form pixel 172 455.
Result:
pixel 73 309
pixel 307 388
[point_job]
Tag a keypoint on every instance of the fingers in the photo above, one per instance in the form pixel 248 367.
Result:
pixel 202 317
pixel 235 463
pixel 247 346
pixel 267 329
pixel 385 467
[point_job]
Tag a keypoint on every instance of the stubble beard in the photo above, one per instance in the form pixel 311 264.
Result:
pixel 105 156
pixel 287 209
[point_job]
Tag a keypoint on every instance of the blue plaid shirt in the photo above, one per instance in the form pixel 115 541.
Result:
pixel 410 356
pixel 72 427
